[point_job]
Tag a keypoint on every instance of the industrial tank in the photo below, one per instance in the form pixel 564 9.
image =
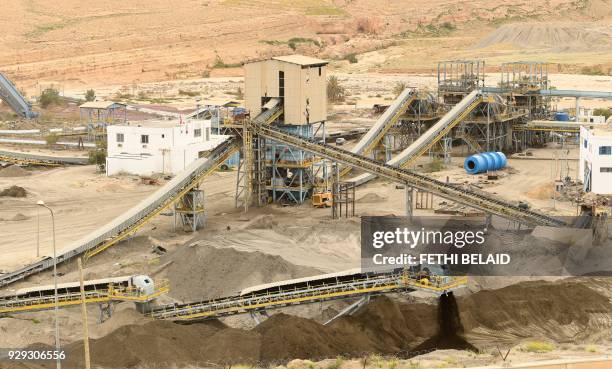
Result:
pixel 485 162
pixel 562 116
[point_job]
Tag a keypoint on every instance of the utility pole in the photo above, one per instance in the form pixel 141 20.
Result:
pixel 84 317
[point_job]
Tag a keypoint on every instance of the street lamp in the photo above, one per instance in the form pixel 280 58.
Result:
pixel 57 335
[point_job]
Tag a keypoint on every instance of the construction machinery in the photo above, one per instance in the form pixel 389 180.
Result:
pixel 14 99
pixel 322 199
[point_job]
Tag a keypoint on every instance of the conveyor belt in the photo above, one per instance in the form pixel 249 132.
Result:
pixel 115 290
pixel 422 144
pixel 324 289
pixel 35 159
pixel 12 96
pixel 133 219
pixel 481 201
pixel 382 125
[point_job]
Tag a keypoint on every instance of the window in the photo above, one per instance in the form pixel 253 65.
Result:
pixel 197 132
pixel 605 150
pixel 144 139
pixel 585 143
pixel 207 133
pixel 281 84
pixel 319 71
pixel 120 137
pixel 605 170
pixel 163 135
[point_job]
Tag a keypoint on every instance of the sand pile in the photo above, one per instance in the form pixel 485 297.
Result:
pixel 14 191
pixel 561 311
pixel 557 36
pixel 371 198
pixel 14 171
pixel 201 272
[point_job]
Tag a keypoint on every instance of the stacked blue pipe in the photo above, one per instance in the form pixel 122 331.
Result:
pixel 485 162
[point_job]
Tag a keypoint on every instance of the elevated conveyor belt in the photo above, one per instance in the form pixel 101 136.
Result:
pixel 10 94
pixel 133 219
pixel 35 159
pixel 481 201
pixel 387 120
pixel 422 144
pixel 96 291
pixel 298 292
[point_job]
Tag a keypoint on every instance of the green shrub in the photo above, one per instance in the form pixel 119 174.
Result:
pixel 538 347
pixel 98 157
pixel 48 97
pixel 335 91
pixel 399 88
pixel 352 58
pixel 606 112
pixel 51 139
pixel 90 95
pixel 220 64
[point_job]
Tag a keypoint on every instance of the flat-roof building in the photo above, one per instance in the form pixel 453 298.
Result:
pixel 158 146
pixel 595 167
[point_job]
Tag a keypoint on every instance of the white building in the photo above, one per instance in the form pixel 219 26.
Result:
pixel 158 146
pixel 596 159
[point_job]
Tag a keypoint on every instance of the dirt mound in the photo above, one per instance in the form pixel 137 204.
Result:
pixel 370 198
pixel 200 272
pixel 14 171
pixel 286 337
pixel 562 311
pixel 18 217
pixel 267 221
pixel 560 36
pixel 14 191
pixel 542 192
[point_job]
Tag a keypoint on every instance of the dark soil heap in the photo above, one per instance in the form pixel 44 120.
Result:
pixel 14 191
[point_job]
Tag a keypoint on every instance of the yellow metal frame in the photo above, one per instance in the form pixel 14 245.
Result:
pixel 112 293
pixel 437 285
pixel 19 161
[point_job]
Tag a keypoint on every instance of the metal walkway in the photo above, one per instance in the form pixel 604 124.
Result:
pixel 97 291
pixel 296 292
pixel 35 159
pixel 422 144
pixel 477 200
pixel 10 94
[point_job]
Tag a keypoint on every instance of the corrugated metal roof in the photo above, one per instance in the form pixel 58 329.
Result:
pixel 300 60
pixel 100 104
